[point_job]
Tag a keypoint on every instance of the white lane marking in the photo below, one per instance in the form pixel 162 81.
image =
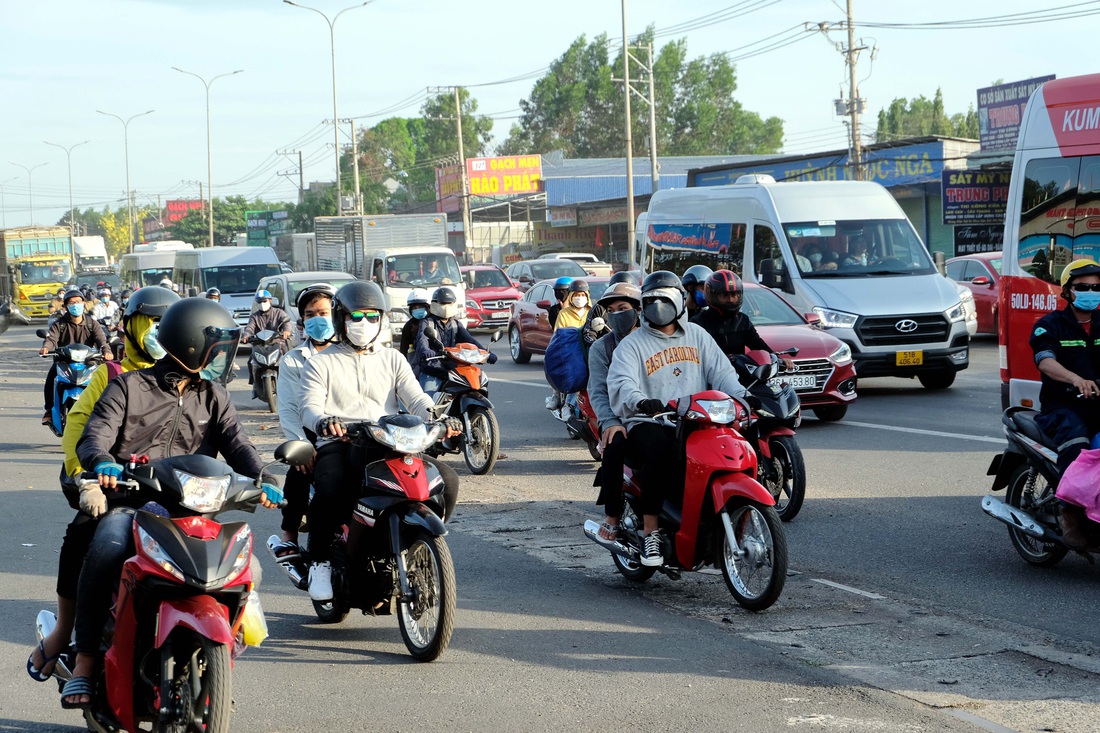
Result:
pixel 544 385
pixel 919 431
pixel 850 589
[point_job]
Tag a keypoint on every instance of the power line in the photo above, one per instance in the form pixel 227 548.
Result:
pixel 1030 17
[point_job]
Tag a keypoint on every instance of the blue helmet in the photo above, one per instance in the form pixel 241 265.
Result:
pixel 263 295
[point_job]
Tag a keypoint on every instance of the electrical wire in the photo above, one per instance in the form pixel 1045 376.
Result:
pixel 1029 17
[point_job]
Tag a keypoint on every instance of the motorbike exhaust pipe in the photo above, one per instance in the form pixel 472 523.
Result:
pixel 1015 518
pixel 592 532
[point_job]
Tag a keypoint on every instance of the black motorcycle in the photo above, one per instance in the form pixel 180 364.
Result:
pixel 267 351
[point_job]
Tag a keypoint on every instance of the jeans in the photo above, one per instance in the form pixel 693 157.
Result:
pixel 47 390
pixel 1071 429
pixel 112 546
pixel 78 538
pixel 429 384
pixel 652 451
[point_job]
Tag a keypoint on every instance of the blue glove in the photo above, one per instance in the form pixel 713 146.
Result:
pixel 492 358
pixel 273 493
pixel 108 468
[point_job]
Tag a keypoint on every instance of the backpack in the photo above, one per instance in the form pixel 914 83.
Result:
pixel 565 364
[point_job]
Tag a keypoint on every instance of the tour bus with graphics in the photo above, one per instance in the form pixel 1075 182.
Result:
pixel 843 252
pixel 1052 219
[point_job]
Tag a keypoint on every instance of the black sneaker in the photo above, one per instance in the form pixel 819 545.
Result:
pixel 651 551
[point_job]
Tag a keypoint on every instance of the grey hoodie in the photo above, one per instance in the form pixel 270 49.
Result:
pixel 649 364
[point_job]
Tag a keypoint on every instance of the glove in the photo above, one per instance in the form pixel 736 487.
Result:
pixel 651 406
pixel 327 425
pixel 93 501
pixel 108 468
pixel 454 425
pixel 271 492
pixel 589 336
pixel 492 358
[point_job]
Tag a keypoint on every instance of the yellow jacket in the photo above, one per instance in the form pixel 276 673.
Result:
pixel 82 409
pixel 571 317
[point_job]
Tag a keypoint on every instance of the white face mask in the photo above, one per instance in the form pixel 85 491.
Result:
pixel 265 306
pixel 578 301
pixel 363 334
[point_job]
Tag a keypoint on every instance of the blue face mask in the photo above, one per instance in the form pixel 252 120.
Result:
pixel 319 328
pixel 1086 301
pixel 76 310
pixel 151 345
pixel 419 313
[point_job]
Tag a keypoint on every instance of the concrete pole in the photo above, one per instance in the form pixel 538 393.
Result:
pixel 853 98
pixel 629 146
pixel 465 181
pixel 126 152
pixel 654 174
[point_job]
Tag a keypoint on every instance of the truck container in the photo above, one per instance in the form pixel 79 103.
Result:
pixel 39 262
pixel 91 253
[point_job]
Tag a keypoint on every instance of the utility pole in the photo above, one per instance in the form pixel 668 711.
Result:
pixel 654 174
pixel 461 164
pixel 629 146
pixel 355 168
pixel 853 106
pixel 654 168
pixel 289 173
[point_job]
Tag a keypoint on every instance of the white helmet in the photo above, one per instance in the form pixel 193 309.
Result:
pixel 420 295
pixel 166 283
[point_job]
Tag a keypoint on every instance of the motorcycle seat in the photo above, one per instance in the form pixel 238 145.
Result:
pixel 1024 422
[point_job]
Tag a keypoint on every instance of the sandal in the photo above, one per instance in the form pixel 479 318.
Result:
pixel 75 687
pixel 40 675
pixel 609 532
pixel 283 550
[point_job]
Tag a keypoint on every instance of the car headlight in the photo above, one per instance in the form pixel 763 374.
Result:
pixel 398 316
pixel 835 319
pixel 472 305
pixel 957 313
pixel 842 355
pixel 202 494
pixel 152 550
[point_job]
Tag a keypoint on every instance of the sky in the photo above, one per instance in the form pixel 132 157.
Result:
pixel 62 60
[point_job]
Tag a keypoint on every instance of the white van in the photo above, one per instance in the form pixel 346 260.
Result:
pixel 235 271
pixel 842 251
pixel 400 270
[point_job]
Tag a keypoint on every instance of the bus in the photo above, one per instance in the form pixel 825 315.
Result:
pixel 1052 219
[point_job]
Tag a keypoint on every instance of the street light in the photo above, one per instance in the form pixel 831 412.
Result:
pixel 209 165
pixel 69 166
pixel 30 184
pixel 126 151
pixel 3 210
pixel 335 117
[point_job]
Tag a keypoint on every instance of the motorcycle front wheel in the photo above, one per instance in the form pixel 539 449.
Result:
pixel 482 444
pixel 785 476
pixel 756 568
pixel 1019 495
pixel 270 392
pixel 203 685
pixel 427 618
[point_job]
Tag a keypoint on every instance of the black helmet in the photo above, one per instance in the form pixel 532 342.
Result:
pixel 214 294
pixel 623 276
pixel 200 335
pixel 661 279
pixel 444 296
pixel 578 286
pixel 309 292
pixel 724 281
pixel 126 293
pixel 152 302
pixel 74 293
pixel 355 296
pixel 695 275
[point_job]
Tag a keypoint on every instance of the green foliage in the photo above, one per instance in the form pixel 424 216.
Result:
pixel 922 117
pixel 229 221
pixel 578 108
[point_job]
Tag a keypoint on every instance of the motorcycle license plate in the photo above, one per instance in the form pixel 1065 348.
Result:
pixel 797 381
pixel 910 358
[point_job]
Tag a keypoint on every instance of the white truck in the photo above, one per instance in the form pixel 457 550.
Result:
pixel 90 253
pixel 399 252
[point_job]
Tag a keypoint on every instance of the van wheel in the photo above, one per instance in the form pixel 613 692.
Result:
pixel 941 379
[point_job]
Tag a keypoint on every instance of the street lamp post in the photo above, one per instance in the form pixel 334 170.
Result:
pixel 69 167
pixel 209 164
pixel 335 117
pixel 3 209
pixel 30 185
pixel 126 152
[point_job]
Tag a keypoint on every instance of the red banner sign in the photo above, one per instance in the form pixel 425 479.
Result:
pixel 508 176
pixel 176 209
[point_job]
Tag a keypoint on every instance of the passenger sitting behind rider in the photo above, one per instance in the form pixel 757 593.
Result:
pixel 663 360
pixel 355 380
pixel 1067 351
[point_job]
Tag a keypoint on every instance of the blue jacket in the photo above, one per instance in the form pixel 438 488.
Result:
pixel 449 333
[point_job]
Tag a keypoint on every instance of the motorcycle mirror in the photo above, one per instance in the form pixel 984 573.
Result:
pixel 294 452
pixel 429 331
pixel 40 333
pixel 497 335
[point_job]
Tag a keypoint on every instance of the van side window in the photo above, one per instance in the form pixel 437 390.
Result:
pixel 765 246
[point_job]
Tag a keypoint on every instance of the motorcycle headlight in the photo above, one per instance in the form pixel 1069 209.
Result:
pixel 152 550
pixel 202 494
pixel 471 356
pixel 842 355
pixel 956 314
pixel 835 319
pixel 406 440
pixel 722 412
pixel 398 316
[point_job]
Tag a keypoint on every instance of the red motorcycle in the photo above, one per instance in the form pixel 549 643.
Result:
pixel 726 519
pixel 185 602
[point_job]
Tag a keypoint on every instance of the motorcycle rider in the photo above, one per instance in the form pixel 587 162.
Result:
pixel 354 380
pixel 266 316
pixel 177 406
pixel 73 327
pixel 666 358
pixel 214 294
pixel 693 279
pixel 105 307
pixel 621 303
pixel 315 304
pixel 139 327
pixel 724 320
pixel 449 331
pixel 561 292
pixel 418 303
pixel 1067 351
pixel 593 329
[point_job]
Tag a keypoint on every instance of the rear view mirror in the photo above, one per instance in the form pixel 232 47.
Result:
pixel 40 333
pixel 812 318
pixel 772 276
pixel 981 280
pixel 294 452
pixel 544 304
pixel 497 335
pixel 429 331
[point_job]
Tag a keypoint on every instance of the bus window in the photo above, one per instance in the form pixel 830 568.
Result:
pixel 1046 225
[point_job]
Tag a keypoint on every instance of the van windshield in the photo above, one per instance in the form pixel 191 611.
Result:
pixel 857 248
pixel 153 276
pixel 420 270
pixel 237 279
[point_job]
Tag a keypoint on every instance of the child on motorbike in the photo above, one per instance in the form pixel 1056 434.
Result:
pixel 418 303
pixel 663 360
pixel 561 292
pixel 73 327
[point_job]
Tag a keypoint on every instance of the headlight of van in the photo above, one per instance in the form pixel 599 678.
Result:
pixel 836 319
pixel 398 316
pixel 955 314
pixel 842 355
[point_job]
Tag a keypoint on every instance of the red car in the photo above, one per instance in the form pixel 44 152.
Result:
pixel 982 274
pixel 489 296
pixel 529 328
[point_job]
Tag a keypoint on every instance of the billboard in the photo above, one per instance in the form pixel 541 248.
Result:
pixel 264 226
pixel 448 188
pixel 975 196
pixel 176 209
pixel 507 176
pixel 972 239
pixel 562 216
pixel 1000 109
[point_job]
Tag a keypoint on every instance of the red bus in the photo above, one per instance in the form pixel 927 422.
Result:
pixel 1053 218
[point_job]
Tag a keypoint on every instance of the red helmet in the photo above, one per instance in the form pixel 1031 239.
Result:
pixel 724 281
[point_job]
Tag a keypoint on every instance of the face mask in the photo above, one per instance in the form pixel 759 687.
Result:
pixel 319 328
pixel 265 306
pixel 76 310
pixel 622 322
pixel 578 301
pixel 215 370
pixel 659 313
pixel 125 301
pixel 700 298
pixel 104 299
pixel 1087 301
pixel 419 313
pixel 816 258
pixel 363 334
pixel 444 311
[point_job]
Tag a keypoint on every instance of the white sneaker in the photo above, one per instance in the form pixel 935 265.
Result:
pixel 320 581
pixel 651 552
pixel 554 401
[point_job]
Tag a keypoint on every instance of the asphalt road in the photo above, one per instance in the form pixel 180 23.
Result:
pixel 906 609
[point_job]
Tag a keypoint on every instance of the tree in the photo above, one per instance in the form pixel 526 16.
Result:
pixel 114 231
pixel 578 108
pixel 921 117
pixel 229 221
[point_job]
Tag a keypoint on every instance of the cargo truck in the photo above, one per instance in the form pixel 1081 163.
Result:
pixel 91 253
pixel 39 263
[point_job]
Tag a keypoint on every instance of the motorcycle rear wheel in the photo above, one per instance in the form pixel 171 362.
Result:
pixel 785 478
pixel 329 612
pixel 632 570
pixel 1031 549
pixel 594 449
pixel 755 579
pixel 211 696
pixel 482 444
pixel 428 619
pixel 270 392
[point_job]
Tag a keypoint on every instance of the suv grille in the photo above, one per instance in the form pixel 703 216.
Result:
pixel 883 330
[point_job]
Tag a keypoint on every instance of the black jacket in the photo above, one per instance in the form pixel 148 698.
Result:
pixel 64 332
pixel 141 412
pixel 1060 336
pixel 734 335
pixel 274 318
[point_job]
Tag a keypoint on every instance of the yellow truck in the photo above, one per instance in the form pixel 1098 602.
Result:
pixel 39 263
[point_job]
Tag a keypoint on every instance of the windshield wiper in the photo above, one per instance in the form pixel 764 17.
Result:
pixel 889 272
